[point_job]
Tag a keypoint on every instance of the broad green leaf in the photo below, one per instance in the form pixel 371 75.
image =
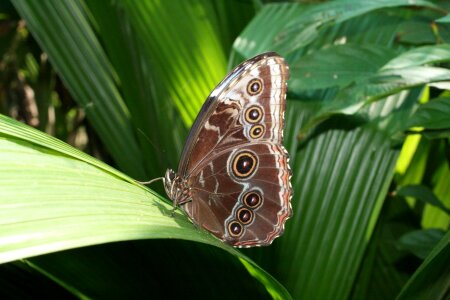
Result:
pixel 382 84
pixel 377 28
pixel 445 19
pixel 337 66
pixel 395 80
pixel 54 197
pixel 432 115
pixel 421 242
pixel 273 17
pixel 420 56
pixel 432 278
pixel 416 32
pixel 68 200
pixel 305 28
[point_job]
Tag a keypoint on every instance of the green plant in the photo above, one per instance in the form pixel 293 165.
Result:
pixel 367 131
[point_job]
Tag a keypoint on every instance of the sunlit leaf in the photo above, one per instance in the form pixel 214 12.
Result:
pixel 420 56
pixel 55 198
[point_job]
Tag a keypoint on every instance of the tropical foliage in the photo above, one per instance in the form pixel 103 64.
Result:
pixel 111 89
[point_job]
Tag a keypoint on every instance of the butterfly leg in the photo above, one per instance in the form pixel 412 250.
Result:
pixel 150 181
pixel 180 199
pixel 174 199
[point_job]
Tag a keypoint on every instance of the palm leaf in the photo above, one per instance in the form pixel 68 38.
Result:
pixel 80 201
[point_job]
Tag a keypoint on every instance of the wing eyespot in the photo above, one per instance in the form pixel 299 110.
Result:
pixel 255 87
pixel 252 199
pixel 244 164
pixel 253 114
pixel 245 215
pixel 257 131
pixel 235 229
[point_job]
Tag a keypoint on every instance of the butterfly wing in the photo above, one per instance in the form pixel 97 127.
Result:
pixel 234 163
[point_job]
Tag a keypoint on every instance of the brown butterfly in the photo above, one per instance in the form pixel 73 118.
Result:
pixel 233 178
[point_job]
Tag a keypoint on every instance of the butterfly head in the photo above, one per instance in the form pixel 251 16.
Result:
pixel 169 180
pixel 176 187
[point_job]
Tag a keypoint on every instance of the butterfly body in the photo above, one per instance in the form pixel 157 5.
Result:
pixel 234 178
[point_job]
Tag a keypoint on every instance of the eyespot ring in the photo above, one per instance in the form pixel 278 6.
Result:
pixel 235 229
pixel 252 199
pixel 253 114
pixel 245 215
pixel 244 164
pixel 257 131
pixel 254 87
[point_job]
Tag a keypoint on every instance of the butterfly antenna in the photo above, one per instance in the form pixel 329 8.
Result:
pixel 150 181
pixel 149 140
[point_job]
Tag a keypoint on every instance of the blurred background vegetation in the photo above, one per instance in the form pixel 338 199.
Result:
pixel 368 128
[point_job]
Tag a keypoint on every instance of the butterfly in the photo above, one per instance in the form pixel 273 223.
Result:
pixel 233 177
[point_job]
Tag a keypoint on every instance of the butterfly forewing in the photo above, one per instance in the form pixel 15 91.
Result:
pixel 234 165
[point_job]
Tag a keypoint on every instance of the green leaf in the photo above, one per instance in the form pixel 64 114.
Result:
pixel 432 278
pixel 71 203
pixel 182 74
pixel 337 66
pixel 416 31
pixel 72 200
pixel 377 28
pixel 273 17
pixel 422 193
pixel 420 56
pixel 390 81
pixel 445 19
pixel 434 217
pixel 305 28
pixel 149 107
pixel 421 242
pixel 382 84
pixel 432 115
pixel 64 33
